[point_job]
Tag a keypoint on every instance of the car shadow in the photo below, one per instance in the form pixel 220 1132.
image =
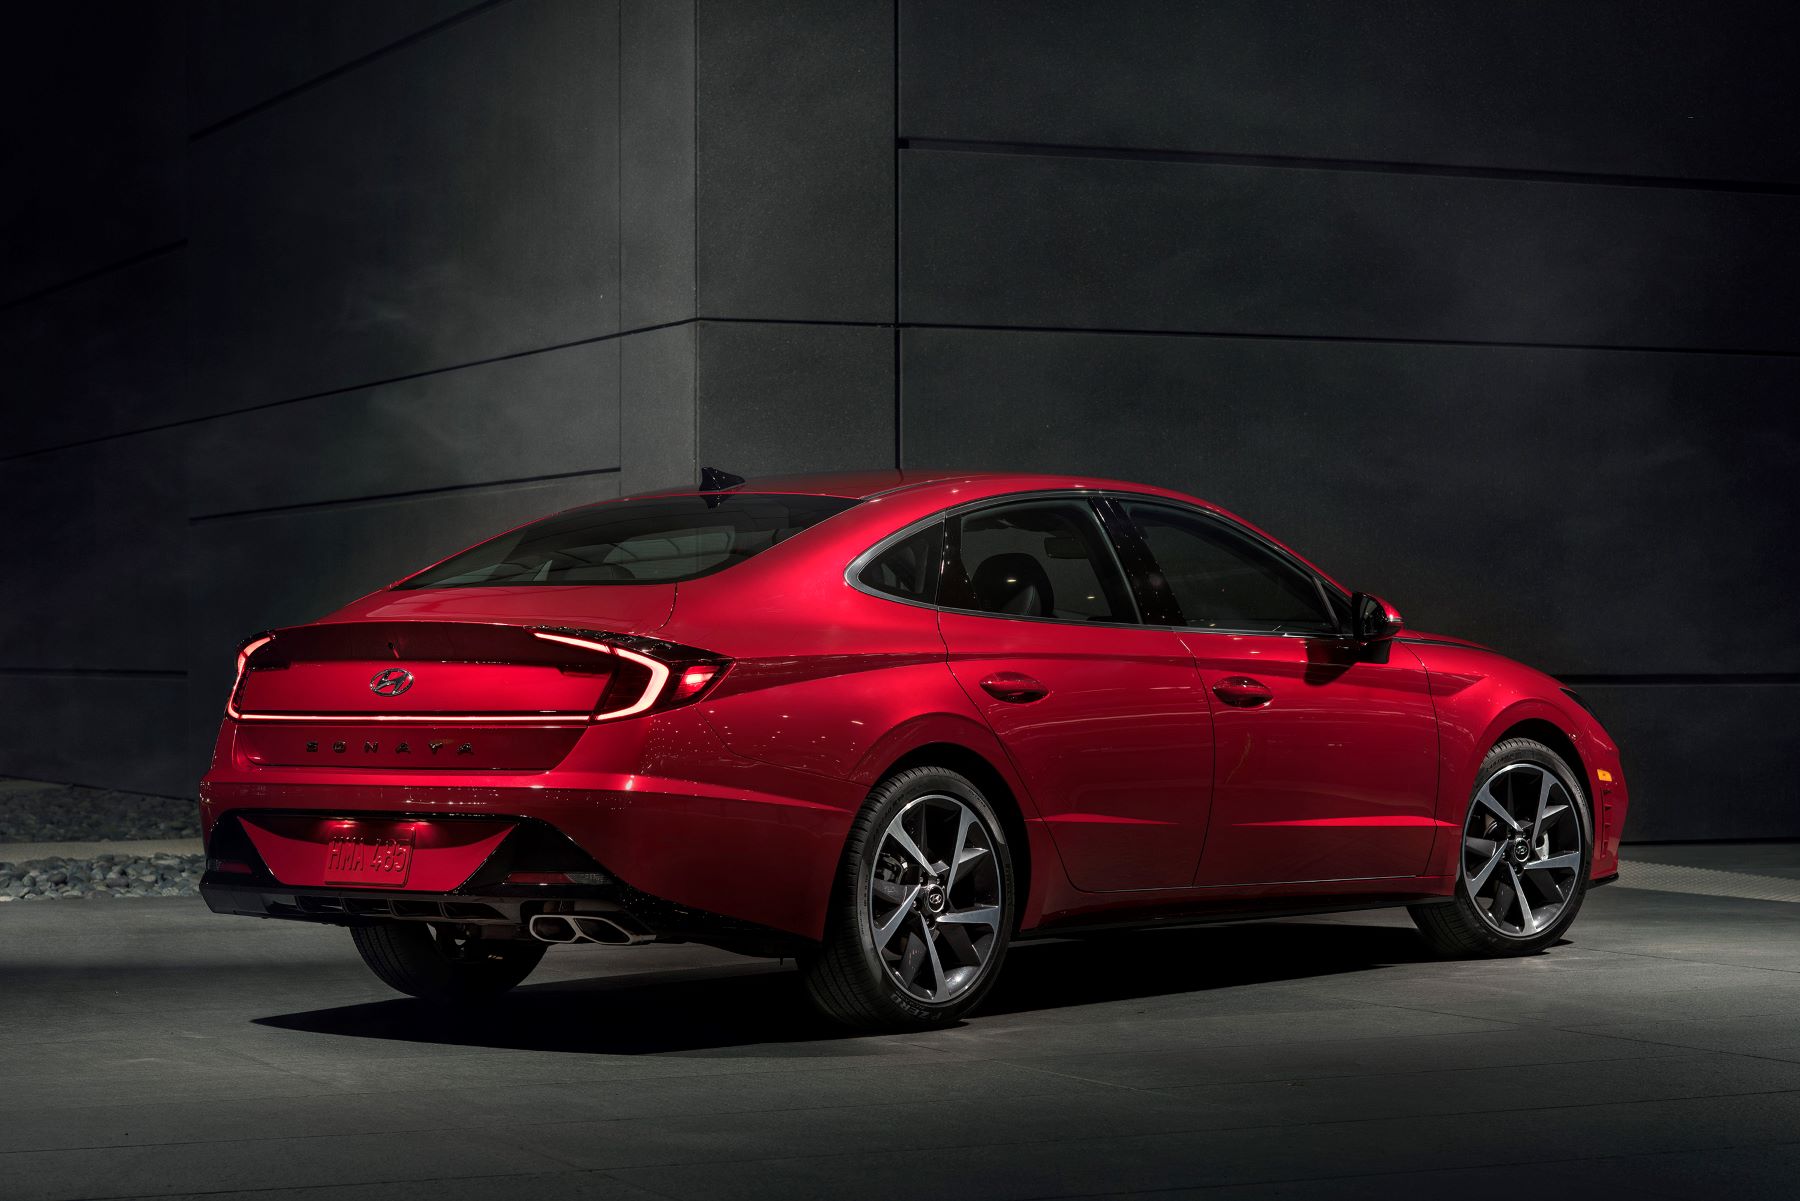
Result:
pixel 760 1003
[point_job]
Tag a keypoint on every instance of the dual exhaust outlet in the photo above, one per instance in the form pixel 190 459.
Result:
pixel 619 931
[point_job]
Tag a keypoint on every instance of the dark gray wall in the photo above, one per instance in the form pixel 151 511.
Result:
pixel 1489 308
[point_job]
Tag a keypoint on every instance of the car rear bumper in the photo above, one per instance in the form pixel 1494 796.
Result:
pixel 668 847
pixel 660 804
pixel 495 910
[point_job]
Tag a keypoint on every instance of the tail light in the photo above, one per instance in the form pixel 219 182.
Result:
pixel 642 675
pixel 250 647
pixel 648 673
pixel 694 680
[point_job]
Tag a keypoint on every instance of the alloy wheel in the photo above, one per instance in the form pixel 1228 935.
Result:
pixel 1522 850
pixel 935 898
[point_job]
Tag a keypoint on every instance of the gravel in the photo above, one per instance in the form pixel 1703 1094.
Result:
pixel 35 812
pixel 102 876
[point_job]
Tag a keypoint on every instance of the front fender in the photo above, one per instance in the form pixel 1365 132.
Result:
pixel 1477 710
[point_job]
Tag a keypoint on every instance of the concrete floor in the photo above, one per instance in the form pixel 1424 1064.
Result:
pixel 148 1048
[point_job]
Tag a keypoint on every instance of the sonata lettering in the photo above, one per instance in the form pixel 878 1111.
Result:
pixel 373 747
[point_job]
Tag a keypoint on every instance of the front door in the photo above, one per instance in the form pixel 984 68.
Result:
pixel 1327 760
pixel 1326 750
pixel 1104 718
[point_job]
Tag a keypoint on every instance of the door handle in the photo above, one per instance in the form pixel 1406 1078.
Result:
pixel 1014 688
pixel 1243 692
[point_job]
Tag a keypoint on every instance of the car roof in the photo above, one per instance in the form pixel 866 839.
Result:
pixel 862 485
pixel 851 485
pixel 924 490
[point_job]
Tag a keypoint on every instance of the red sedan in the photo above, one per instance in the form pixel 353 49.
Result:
pixel 887 724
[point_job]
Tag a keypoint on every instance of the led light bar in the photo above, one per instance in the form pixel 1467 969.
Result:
pixel 696 678
pixel 659 672
pixel 243 660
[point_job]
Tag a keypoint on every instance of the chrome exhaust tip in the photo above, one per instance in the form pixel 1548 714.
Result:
pixel 551 927
pixel 611 931
pixel 561 928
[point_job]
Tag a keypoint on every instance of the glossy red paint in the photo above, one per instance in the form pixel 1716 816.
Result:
pixel 1149 772
pixel 1329 773
pixel 1482 698
pixel 439 855
pixel 446 746
pixel 1113 741
pixel 522 692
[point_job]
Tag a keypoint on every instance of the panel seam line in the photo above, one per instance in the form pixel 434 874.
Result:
pixel 1368 166
pixel 346 501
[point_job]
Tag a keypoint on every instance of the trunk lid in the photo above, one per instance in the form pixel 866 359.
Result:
pixel 404 670
pixel 446 680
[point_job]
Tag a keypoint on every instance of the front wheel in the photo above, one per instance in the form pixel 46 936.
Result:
pixel 922 910
pixel 436 963
pixel 1527 849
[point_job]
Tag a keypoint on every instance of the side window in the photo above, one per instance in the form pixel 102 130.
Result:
pixel 909 568
pixel 1044 559
pixel 1226 580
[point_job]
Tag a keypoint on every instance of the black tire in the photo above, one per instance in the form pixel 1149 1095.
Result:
pixel 1459 928
pixel 848 978
pixel 434 964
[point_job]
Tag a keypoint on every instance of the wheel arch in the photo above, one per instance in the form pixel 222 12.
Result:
pixel 1540 729
pixel 1529 718
pixel 1462 928
pixel 999 791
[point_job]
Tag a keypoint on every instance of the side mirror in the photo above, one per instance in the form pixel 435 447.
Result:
pixel 1373 619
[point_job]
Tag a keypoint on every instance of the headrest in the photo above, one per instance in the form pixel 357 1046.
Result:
pixel 1013 583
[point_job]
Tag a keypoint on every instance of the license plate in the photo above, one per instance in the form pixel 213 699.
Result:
pixel 352 858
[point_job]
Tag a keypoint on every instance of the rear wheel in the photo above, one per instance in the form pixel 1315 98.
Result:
pixel 437 963
pixel 922 911
pixel 1527 847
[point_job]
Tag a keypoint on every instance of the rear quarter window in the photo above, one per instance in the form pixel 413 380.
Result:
pixel 908 569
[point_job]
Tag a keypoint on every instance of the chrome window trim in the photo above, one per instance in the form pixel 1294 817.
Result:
pixel 1326 587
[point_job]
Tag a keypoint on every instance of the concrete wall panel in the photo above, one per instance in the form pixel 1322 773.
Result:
pixel 453 201
pixel 774 399
pixel 656 371
pixel 656 162
pixel 1705 761
pixel 1094 243
pixel 95 571
pixel 94 139
pixel 103 731
pixel 795 191
pixel 552 413
pixel 1635 89
pixel 241 55
pixel 102 357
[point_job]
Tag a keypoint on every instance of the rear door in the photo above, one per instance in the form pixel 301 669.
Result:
pixel 1327 750
pixel 1104 718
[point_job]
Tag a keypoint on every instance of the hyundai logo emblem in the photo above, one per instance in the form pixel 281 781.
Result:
pixel 391 681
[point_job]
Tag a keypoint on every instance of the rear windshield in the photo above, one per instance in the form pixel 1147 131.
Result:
pixel 656 541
